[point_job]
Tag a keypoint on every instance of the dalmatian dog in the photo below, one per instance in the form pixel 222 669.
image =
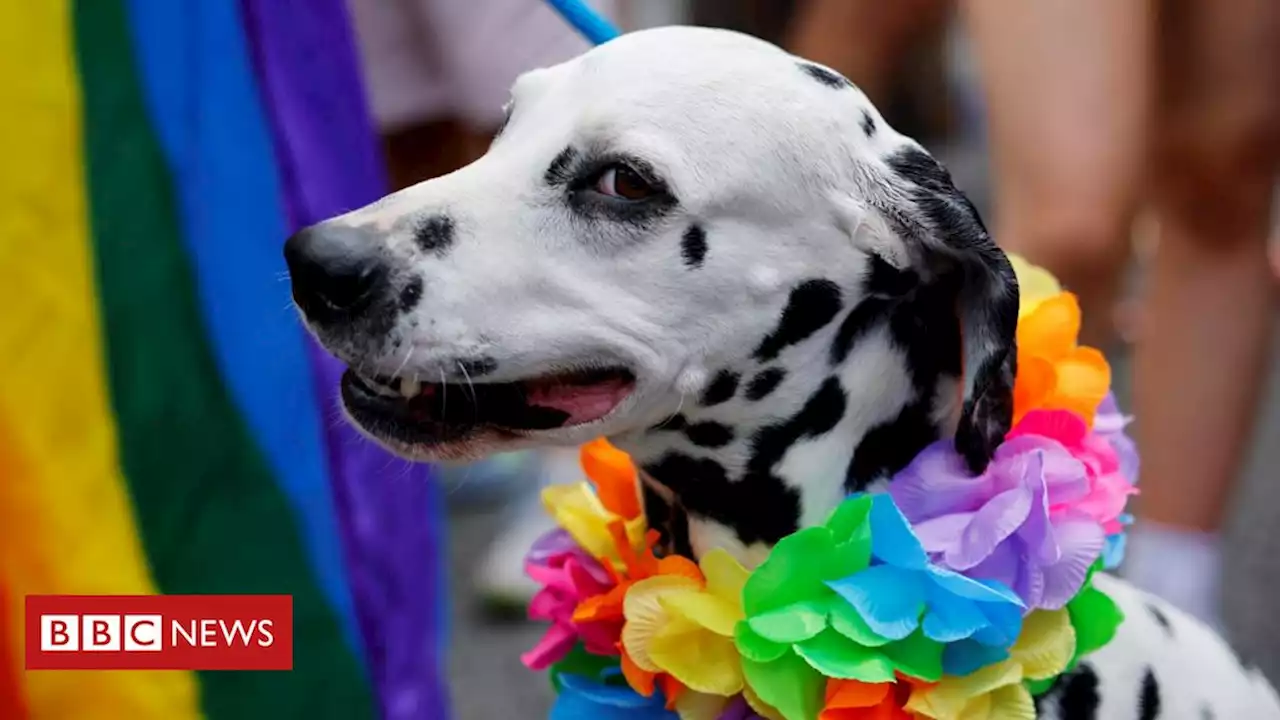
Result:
pixel 721 257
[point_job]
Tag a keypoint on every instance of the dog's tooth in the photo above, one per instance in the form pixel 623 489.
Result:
pixel 410 387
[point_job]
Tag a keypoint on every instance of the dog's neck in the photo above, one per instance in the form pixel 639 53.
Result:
pixel 770 447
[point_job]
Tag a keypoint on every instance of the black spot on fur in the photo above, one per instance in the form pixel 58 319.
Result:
pixel 693 246
pixel 830 78
pixel 1078 697
pixel 1161 619
pixel 1149 697
pixel 820 414
pixel 812 305
pixel 411 294
pixel 435 234
pixel 861 320
pixel 558 171
pixel 868 124
pixel 478 366
pixel 1206 713
pixel 885 286
pixel 889 447
pixel 764 508
pixel 722 388
pixel 671 522
pixel 709 434
pixel 924 327
pixel 764 383
pixel 886 281
pixel 676 422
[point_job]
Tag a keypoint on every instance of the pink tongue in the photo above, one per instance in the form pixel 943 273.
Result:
pixel 584 403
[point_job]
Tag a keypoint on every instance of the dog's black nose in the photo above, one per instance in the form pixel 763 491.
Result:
pixel 336 271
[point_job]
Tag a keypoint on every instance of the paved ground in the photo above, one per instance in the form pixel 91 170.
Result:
pixel 488 681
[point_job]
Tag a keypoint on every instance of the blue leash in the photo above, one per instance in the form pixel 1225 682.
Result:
pixel 587 21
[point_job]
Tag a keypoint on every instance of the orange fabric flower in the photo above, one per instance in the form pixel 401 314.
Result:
pixel 604 611
pixel 645 682
pixel 856 700
pixel 614 476
pixel 637 566
pixel 1054 373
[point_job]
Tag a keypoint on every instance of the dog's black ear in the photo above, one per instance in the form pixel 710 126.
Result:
pixel 944 235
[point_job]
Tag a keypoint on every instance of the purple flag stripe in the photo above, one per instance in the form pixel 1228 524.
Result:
pixel 390 513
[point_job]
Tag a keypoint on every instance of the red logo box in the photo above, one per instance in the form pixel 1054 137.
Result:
pixel 159 632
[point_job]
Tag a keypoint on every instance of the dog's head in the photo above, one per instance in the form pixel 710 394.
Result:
pixel 657 216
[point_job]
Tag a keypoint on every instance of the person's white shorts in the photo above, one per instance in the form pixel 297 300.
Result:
pixel 431 59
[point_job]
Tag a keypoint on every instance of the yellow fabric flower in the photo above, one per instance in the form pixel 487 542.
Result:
pixel 1035 284
pixel 1054 373
pixel 683 627
pixel 1044 649
pixel 700 706
pixel 578 510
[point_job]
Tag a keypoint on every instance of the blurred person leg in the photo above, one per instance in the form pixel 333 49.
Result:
pixel 865 40
pixel 1209 310
pixel 1067 88
pixel 765 19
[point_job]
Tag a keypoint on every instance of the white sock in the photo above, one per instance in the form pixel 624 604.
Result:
pixel 1182 566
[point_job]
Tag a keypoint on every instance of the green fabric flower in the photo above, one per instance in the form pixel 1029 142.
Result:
pixel 1095 618
pixel 798 632
pixel 580 662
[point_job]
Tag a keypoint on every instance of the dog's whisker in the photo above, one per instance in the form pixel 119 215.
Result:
pixel 444 395
pixel 475 401
pixel 405 363
pixel 672 416
pixel 464 480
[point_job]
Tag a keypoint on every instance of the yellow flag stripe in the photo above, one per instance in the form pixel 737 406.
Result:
pixel 66 525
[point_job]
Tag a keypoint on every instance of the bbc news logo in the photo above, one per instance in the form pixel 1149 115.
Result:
pixel 159 632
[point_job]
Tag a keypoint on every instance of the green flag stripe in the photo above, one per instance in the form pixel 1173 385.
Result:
pixel 211 516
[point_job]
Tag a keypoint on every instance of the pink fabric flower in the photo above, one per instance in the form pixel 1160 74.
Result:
pixel 567 575
pixel 1109 488
pixel 999 525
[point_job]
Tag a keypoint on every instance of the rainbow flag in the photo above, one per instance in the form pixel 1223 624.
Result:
pixel 166 426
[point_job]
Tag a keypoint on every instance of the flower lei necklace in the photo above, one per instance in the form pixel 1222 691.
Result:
pixel 948 597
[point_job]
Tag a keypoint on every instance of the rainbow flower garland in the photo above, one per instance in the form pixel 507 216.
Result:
pixel 948 597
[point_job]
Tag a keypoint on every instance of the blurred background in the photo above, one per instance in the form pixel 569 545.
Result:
pixel 165 425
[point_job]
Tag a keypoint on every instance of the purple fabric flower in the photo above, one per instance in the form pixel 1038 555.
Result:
pixel 1110 423
pixel 738 709
pixel 997 526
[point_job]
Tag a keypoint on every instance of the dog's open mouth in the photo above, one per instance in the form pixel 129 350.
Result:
pixel 403 409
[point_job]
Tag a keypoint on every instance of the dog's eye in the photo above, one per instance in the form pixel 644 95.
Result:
pixel 621 181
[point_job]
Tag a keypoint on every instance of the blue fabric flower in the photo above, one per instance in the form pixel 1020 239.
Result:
pixel 903 591
pixel 582 698
pixel 1113 549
